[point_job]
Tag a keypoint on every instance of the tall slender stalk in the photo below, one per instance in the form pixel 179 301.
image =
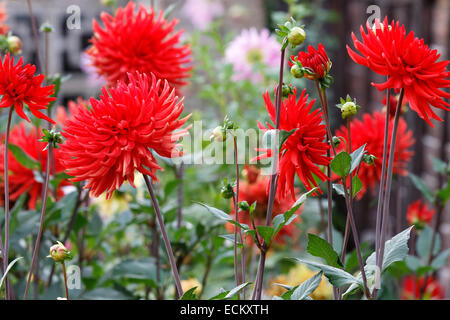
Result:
pixel 35 34
pixel 5 251
pixel 165 237
pixel 273 181
pixel 383 179
pixel 350 216
pixel 387 194
pixel 180 176
pixel 65 280
pixel 41 225
pixel 236 211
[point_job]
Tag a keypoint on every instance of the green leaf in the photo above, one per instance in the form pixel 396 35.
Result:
pixel 339 188
pixel 236 290
pixel 141 271
pixel 439 166
pixel 266 233
pixel 336 276
pixel 441 260
pixel 10 265
pixel 24 158
pixel 423 245
pixel 395 249
pixel 341 164
pixel 357 186
pixel 444 194
pixel 190 294
pixel 321 248
pixel 216 212
pixel 422 187
pixel 357 157
pixel 303 291
pixel 285 219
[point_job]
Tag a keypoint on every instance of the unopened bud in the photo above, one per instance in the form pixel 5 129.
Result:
pixel 296 36
pixel 244 206
pixel 14 45
pixel 227 191
pixel 59 253
pixel 336 141
pixel 349 109
pixel 369 159
pixel 297 71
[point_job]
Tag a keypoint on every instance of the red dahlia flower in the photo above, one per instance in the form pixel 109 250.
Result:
pixel 23 179
pixel 409 64
pixel 305 149
pixel 254 188
pixel 418 214
pixel 19 86
pixel 412 287
pixel 143 42
pixel 316 60
pixel 370 131
pixel 3 16
pixel 108 142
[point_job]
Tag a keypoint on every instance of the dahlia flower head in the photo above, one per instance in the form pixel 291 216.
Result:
pixel 254 189
pixel 408 63
pixel 315 60
pixel 202 12
pixel 305 150
pixel 4 28
pixel 23 179
pixel 369 131
pixel 106 143
pixel 418 214
pixel 143 41
pixel 413 285
pixel 19 86
pixel 251 50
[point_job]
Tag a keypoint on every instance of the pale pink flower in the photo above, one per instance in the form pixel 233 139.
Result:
pixel 251 50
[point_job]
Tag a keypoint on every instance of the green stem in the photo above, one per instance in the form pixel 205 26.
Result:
pixel 165 237
pixel 65 280
pixel 5 251
pixel 41 225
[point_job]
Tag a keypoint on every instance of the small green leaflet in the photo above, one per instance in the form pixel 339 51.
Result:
pixel 321 248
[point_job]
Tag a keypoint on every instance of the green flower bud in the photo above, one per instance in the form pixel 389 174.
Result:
pixel 336 141
pixel 349 109
pixel 227 191
pixel 59 253
pixel 297 71
pixel 296 36
pixel 46 27
pixel 14 45
pixel 244 206
pixel 369 159
pixel 287 90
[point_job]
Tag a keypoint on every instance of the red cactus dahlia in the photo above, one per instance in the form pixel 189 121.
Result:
pixel 412 287
pixel 316 60
pixel 254 188
pixel 370 131
pixel 305 149
pixel 143 42
pixel 418 214
pixel 107 143
pixel 23 179
pixel 409 64
pixel 19 86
